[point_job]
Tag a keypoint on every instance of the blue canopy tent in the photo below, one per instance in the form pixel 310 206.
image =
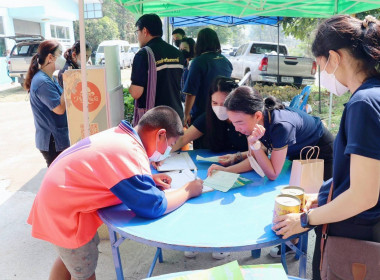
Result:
pixel 222 20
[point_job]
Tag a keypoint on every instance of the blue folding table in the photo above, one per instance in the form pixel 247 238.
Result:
pixel 239 220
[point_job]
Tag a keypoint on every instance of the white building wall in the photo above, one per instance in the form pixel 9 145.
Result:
pixel 8 27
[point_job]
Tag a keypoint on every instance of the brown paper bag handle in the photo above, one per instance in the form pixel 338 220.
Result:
pixel 311 149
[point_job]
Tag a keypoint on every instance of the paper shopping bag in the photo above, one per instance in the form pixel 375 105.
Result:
pixel 307 173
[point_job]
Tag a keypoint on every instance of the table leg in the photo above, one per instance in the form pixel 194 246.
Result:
pixel 158 255
pixel 256 253
pixel 116 254
pixel 283 257
pixel 303 257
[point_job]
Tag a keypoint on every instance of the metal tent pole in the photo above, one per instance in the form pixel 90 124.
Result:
pixel 319 89
pixel 330 110
pixel 83 68
pixel 278 51
pixel 166 30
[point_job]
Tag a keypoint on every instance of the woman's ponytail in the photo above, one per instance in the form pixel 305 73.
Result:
pixel 68 54
pixel 271 103
pixel 33 68
pixel 370 43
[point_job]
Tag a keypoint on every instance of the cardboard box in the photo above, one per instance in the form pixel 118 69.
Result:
pixel 105 108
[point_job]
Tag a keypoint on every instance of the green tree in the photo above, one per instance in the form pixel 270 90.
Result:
pixel 303 28
pixel 98 30
pixel 124 19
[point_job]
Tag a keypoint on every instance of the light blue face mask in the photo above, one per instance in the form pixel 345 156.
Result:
pixel 157 156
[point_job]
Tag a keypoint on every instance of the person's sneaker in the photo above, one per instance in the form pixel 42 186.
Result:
pixel 275 252
pixel 221 255
pixel 190 254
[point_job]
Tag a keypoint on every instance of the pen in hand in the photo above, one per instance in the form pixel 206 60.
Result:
pixel 195 174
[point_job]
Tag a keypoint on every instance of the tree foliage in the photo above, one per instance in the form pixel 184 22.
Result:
pixel 303 28
pixel 117 23
pixel 98 30
pixel 124 19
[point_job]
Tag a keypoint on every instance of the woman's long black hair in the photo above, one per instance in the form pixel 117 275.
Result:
pixel 216 129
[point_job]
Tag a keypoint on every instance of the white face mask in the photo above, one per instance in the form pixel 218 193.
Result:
pixel 78 63
pixel 59 62
pixel 157 156
pixel 330 82
pixel 220 112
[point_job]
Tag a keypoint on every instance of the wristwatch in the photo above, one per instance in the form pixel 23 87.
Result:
pixel 238 157
pixel 305 220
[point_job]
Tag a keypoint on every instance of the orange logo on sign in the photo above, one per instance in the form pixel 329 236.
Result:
pixel 94 97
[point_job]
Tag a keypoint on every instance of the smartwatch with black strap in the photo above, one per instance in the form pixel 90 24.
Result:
pixel 305 220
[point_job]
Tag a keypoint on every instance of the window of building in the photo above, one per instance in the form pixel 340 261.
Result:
pixel 61 33
pixel 93 10
pixel 3 51
pixel 52 31
pixel 1 26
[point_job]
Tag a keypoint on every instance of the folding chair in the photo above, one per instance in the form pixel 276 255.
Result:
pixel 299 101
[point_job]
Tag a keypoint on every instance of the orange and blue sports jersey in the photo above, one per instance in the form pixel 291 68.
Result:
pixel 105 169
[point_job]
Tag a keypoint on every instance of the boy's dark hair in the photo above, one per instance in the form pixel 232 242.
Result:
pixel 179 31
pixel 207 41
pixel 162 117
pixel 215 138
pixel 152 23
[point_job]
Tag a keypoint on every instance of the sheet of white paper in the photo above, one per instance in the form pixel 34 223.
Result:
pixel 221 180
pixel 177 161
pixel 208 159
pixel 180 178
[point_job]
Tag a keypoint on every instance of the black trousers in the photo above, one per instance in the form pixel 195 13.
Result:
pixel 50 155
pixel 355 228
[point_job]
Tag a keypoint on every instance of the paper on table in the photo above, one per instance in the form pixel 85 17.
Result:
pixel 177 161
pixel 226 271
pixel 209 159
pixel 241 181
pixel 264 271
pixel 181 177
pixel 221 180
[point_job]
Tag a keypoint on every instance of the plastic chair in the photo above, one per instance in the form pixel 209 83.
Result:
pixel 299 101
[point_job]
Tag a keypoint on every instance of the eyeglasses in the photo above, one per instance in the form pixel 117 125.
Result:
pixel 136 31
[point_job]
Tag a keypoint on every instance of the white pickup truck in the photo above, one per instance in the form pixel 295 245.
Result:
pixel 261 60
pixel 21 55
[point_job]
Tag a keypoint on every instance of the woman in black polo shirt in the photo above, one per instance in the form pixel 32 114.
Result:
pixel 347 50
pixel 213 128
